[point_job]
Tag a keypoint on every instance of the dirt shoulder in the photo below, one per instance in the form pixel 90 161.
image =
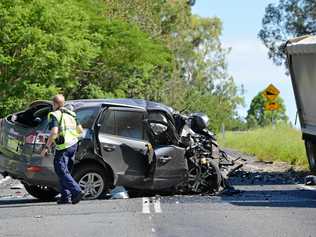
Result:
pixel 255 172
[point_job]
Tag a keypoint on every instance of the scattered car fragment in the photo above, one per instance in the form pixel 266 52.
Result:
pixel 310 180
pixel 119 192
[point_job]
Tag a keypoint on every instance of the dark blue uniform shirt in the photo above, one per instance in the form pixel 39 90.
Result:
pixel 52 122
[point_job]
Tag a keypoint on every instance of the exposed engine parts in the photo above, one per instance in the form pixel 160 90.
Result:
pixel 209 166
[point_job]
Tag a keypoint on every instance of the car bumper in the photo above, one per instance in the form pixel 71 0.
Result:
pixel 29 172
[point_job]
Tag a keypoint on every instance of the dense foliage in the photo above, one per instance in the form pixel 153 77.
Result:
pixel 258 116
pixel 285 20
pixel 152 49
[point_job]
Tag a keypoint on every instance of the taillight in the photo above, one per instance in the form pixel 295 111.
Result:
pixel 30 138
pixel 34 169
pixel 41 138
pixel 36 138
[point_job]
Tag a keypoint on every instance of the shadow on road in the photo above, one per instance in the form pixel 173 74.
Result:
pixel 270 189
pixel 23 202
pixel 273 198
pixel 268 178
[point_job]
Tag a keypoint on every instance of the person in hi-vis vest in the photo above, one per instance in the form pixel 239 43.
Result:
pixel 64 133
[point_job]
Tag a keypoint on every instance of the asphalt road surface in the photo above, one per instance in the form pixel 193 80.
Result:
pixel 268 204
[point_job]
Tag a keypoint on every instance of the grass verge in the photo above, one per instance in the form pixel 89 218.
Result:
pixel 282 143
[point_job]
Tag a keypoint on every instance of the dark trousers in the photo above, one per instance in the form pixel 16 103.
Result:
pixel 63 164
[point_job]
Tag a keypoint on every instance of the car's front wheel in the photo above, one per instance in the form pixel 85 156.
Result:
pixel 204 178
pixel 41 192
pixel 92 180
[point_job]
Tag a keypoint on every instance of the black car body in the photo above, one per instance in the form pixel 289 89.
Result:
pixel 126 142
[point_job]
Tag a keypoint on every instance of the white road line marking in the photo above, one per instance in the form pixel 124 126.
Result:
pixel 307 187
pixel 4 180
pixel 146 209
pixel 157 206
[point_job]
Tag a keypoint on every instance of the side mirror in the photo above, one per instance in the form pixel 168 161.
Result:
pixel 158 128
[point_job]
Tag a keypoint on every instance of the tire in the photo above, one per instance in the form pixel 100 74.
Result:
pixel 211 184
pixel 215 181
pixel 93 181
pixel 40 192
pixel 311 155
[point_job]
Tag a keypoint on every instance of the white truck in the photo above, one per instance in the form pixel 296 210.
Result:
pixel 301 56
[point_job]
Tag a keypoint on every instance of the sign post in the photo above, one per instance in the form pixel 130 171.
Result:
pixel 271 93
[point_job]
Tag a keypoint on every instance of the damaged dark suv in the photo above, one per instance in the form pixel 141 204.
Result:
pixel 126 142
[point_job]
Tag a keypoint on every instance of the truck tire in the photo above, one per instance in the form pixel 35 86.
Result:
pixel 311 155
pixel 93 181
pixel 40 192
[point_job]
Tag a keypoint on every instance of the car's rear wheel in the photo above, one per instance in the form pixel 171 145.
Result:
pixel 92 180
pixel 311 155
pixel 41 192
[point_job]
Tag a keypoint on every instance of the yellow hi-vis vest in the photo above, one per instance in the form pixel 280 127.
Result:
pixel 67 125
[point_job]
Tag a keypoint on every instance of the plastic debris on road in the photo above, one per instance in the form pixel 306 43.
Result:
pixel 119 192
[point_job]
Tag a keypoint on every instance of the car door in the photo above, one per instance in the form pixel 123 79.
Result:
pixel 122 143
pixel 170 162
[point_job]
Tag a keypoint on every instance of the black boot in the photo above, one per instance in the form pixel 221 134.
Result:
pixel 77 198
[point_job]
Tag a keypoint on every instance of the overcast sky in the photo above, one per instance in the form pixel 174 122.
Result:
pixel 248 62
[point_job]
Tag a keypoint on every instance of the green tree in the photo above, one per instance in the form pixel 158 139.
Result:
pixel 198 79
pixel 208 86
pixel 115 48
pixel 165 20
pixel 68 46
pixel 258 116
pixel 285 20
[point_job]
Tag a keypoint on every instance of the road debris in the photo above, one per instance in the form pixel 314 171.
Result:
pixel 310 180
pixel 255 172
pixel 119 192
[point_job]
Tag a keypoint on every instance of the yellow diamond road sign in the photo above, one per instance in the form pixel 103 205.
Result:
pixel 272 106
pixel 271 93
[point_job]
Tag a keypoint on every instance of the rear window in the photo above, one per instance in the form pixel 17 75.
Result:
pixel 31 117
pixel 130 124
pixel 127 124
pixel 108 122
pixel 86 116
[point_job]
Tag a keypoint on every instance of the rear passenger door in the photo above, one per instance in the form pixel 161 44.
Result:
pixel 122 143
